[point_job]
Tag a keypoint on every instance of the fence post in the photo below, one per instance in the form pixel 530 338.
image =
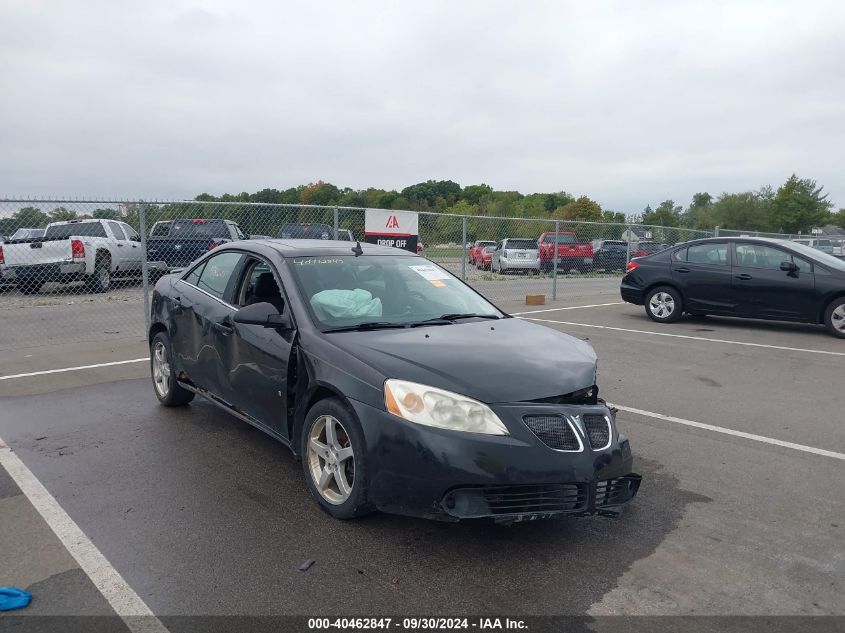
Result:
pixel 716 231
pixel 464 248
pixel 554 260
pixel 145 268
pixel 335 222
pixel 628 245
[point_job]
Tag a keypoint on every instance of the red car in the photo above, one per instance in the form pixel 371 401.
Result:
pixel 474 254
pixel 484 260
pixel 570 252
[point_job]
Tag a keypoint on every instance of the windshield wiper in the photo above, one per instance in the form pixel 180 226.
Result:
pixel 452 317
pixel 367 325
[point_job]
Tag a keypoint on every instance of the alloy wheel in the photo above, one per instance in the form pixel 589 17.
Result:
pixel 331 460
pixel 837 318
pixel 662 305
pixel 161 370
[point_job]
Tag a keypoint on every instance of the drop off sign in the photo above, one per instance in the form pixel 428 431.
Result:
pixel 399 229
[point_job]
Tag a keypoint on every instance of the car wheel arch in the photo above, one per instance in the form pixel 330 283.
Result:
pixel 317 391
pixel 155 328
pixel 657 284
pixel 826 304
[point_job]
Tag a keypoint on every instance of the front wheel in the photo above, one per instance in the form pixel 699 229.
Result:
pixel 334 460
pixel 167 390
pixel 664 304
pixel 834 317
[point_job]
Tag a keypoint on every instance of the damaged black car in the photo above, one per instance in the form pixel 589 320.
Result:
pixel 364 362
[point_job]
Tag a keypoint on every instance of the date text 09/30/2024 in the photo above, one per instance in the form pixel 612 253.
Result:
pixel 412 624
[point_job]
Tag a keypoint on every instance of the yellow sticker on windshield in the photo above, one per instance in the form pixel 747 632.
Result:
pixel 438 283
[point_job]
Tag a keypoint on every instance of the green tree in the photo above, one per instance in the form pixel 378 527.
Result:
pixel 798 205
pixel 30 217
pixel 474 193
pixel 741 211
pixel 666 214
pixel 105 214
pixel 583 209
pixel 61 214
pixel 838 218
pixel 699 214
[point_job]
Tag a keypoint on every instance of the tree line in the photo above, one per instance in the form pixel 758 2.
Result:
pixel 798 205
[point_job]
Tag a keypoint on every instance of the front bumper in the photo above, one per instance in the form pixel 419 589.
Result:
pixel 451 475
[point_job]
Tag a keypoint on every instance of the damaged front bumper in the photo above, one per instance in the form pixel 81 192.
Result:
pixel 449 475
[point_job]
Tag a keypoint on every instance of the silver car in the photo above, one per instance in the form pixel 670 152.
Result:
pixel 516 253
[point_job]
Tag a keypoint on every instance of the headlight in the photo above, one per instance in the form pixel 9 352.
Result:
pixel 442 409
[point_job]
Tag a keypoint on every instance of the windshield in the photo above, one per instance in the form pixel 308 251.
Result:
pixel 529 244
pixel 62 231
pixel 394 289
pixel 815 254
pixel 614 246
pixel 562 238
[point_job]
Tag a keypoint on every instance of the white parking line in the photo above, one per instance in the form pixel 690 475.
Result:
pixel 80 367
pixel 686 336
pixel 719 429
pixel 594 305
pixel 138 617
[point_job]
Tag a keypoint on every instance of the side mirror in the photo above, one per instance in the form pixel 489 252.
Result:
pixel 135 238
pixel 789 267
pixel 263 314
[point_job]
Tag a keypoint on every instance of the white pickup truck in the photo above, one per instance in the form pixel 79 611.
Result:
pixel 94 251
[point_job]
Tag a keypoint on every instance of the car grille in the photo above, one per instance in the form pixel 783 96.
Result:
pixel 554 431
pixel 598 430
pixel 525 499
pixel 615 492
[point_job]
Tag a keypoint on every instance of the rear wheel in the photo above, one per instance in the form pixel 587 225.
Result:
pixel 664 304
pixel 834 317
pixel 167 390
pixel 334 460
pixel 100 281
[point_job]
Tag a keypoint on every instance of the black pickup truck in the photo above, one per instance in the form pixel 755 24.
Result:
pixel 179 242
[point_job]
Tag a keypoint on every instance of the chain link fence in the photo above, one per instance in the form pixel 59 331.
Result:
pixel 77 270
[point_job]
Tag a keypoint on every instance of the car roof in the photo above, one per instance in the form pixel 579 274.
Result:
pixel 316 248
pixel 736 238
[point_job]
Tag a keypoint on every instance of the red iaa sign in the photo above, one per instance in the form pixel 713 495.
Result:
pixel 399 229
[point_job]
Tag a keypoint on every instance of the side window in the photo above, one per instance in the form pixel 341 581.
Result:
pixel 760 256
pixel 217 272
pixel 238 232
pixel 257 284
pixel 117 231
pixel 803 265
pixel 194 277
pixel 680 255
pixel 130 232
pixel 716 254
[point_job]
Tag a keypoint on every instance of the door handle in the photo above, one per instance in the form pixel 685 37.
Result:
pixel 120 245
pixel 744 277
pixel 681 269
pixel 225 326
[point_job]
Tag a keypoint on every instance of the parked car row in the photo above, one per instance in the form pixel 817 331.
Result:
pixel 525 254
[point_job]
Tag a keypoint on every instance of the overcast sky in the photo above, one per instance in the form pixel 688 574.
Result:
pixel 627 102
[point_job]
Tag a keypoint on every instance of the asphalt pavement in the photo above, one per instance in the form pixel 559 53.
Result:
pixel 202 514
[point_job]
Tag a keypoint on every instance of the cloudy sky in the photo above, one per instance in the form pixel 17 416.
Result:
pixel 627 102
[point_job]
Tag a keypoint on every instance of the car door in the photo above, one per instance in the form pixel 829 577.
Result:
pixel 257 358
pixel 121 255
pixel 136 253
pixel 703 273
pixel 202 315
pixel 761 289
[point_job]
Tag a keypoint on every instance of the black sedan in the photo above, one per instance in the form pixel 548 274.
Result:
pixel 757 278
pixel 363 361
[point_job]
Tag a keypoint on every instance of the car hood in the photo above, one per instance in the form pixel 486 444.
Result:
pixel 508 360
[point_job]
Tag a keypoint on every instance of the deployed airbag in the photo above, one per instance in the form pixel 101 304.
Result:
pixel 346 304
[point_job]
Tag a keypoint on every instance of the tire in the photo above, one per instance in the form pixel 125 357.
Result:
pixel 663 304
pixel 29 286
pixel 335 463
pixel 167 390
pixel 101 280
pixel 834 317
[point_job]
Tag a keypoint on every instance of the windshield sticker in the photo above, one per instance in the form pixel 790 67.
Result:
pixel 437 283
pixel 430 273
pixel 317 260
